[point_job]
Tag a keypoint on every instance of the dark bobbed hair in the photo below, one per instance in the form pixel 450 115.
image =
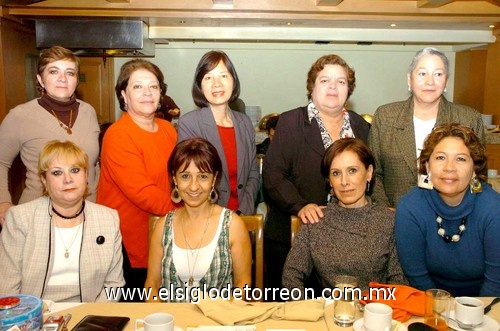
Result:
pixel 355 145
pixel 53 54
pixel 207 63
pixel 128 68
pixel 472 142
pixel 320 65
pixel 64 151
pixel 197 150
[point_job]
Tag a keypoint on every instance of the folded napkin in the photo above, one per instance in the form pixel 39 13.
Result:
pixel 408 300
pixel 304 310
pixel 241 312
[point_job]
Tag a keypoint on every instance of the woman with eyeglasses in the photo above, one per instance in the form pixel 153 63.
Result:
pixel 447 228
pixel 135 151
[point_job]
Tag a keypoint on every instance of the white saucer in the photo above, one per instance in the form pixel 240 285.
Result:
pixel 489 324
pixel 358 325
pixel 176 328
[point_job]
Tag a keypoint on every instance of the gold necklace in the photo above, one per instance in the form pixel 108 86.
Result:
pixel 197 249
pixel 61 124
pixel 66 248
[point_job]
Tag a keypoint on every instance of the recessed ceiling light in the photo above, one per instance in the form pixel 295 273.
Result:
pixel 393 25
pixel 288 23
pixel 491 26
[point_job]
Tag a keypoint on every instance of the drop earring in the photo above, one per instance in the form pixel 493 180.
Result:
pixel 475 186
pixel 213 195
pixel 175 196
pixel 424 181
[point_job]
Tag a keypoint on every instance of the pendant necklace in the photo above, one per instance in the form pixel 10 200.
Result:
pixel 66 248
pixel 61 124
pixel 194 250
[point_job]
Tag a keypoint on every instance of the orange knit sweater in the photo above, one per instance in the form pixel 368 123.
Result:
pixel 134 180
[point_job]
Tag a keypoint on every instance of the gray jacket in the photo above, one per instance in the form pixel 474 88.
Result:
pixel 392 141
pixel 201 123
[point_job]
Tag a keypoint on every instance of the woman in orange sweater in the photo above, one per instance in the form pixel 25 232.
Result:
pixel 135 151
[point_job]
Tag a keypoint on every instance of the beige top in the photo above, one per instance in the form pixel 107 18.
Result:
pixel 27 128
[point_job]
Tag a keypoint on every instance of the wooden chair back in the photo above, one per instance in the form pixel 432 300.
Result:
pixel 296 223
pixel 152 222
pixel 255 226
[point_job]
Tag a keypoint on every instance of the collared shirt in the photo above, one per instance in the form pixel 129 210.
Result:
pixel 345 131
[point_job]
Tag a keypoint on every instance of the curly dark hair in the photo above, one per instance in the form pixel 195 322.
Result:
pixel 472 142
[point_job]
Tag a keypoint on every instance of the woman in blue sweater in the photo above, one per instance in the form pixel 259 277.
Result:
pixel 447 229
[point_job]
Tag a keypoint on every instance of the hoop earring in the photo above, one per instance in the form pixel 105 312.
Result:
pixel 475 186
pixel 175 196
pixel 424 181
pixel 213 195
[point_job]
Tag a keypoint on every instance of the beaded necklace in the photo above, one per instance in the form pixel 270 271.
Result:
pixel 70 217
pixel 61 124
pixel 453 238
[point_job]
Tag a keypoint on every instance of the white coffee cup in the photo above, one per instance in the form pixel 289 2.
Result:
pixel 469 310
pixel 487 119
pixel 492 173
pixel 377 317
pixel 156 322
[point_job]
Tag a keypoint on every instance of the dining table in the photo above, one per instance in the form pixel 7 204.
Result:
pixel 188 315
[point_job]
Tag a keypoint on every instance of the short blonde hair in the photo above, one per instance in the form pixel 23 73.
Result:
pixel 62 150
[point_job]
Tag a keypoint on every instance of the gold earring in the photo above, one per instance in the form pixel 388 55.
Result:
pixel 475 186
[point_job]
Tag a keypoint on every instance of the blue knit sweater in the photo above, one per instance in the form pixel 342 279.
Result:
pixel 468 267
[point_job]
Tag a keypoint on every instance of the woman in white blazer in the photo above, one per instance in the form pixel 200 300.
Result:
pixel 62 247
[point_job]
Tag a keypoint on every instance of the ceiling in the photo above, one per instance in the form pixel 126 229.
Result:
pixel 415 21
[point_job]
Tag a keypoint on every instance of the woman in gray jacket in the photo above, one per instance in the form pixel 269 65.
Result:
pixel 399 129
pixel 215 85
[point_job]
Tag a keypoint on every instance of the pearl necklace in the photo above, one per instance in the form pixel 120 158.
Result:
pixel 447 238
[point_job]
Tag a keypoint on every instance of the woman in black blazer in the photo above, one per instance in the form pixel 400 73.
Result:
pixel 291 172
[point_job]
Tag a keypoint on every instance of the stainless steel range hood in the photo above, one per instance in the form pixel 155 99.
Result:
pixel 114 38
